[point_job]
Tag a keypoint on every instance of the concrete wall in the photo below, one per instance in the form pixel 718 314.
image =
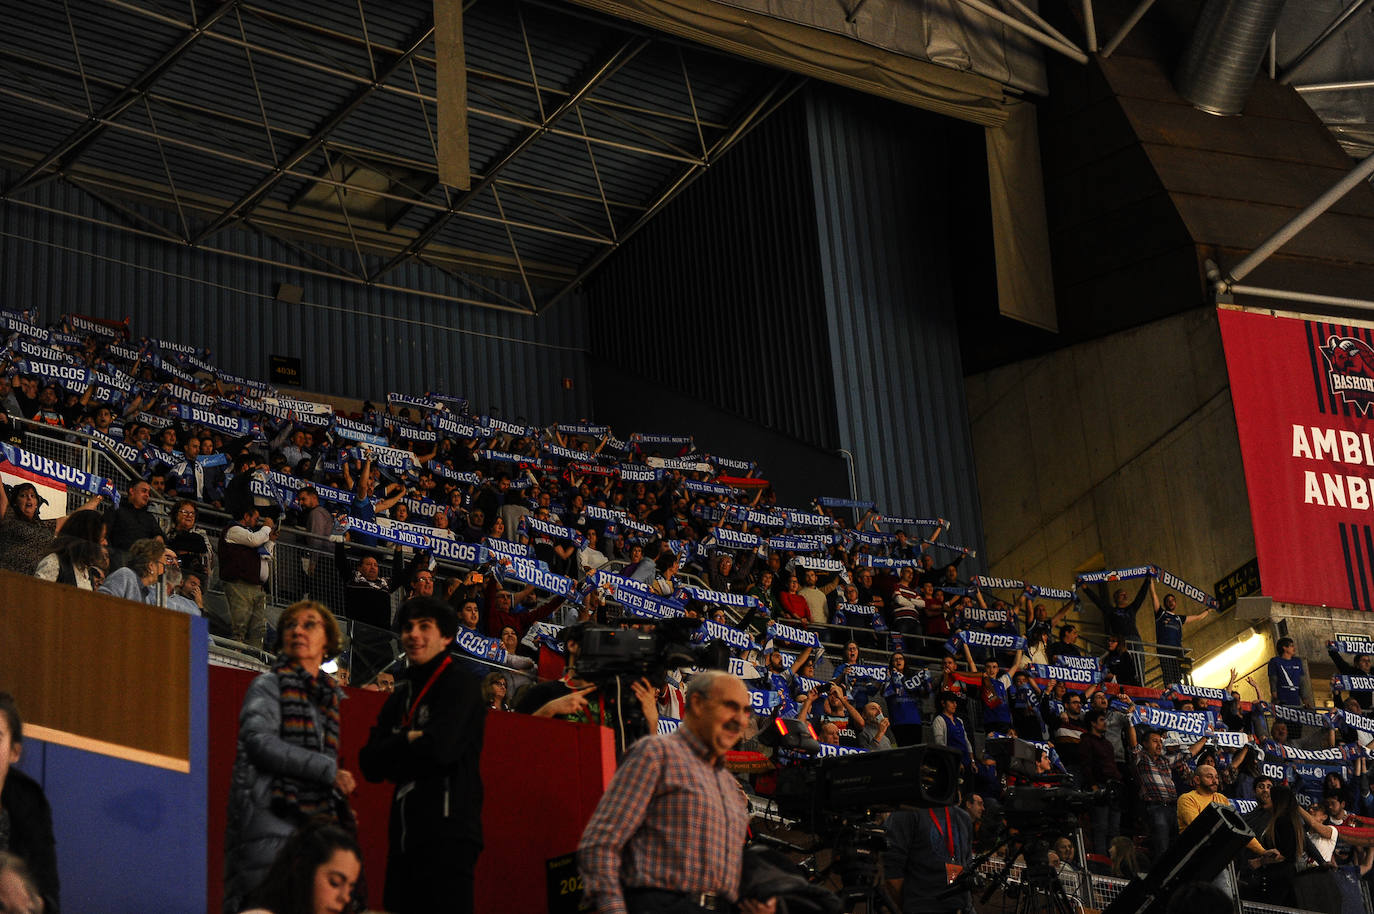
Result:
pixel 1115 452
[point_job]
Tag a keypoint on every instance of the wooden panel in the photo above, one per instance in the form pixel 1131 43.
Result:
pixel 95 672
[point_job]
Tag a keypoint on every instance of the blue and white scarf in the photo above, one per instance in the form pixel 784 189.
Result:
pixel 1064 673
pixel 816 563
pixel 799 518
pixel 531 524
pixel 633 472
pixel 210 419
pixel 791 542
pixel 717 597
pixel 660 440
pixel 1207 692
pixel 893 521
pixel 12 322
pixel 995 640
pixel 515 429
pixel 482 646
pixel 736 639
pixel 749 515
pixel 865 560
pixel 962 550
pixel 1116 574
pixel 1302 716
pixel 733 539
pixel 1353 683
pixel 1351 647
pixel 70 377
pixel 728 463
pixel 828 502
pixel 457 428
pixel 60 473
pixel 457 404
pixel 790 634
pixel 1189 723
pixel 529 571
pixel 589 431
pixel 419 402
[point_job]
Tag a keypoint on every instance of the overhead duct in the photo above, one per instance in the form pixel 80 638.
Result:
pixel 1225 54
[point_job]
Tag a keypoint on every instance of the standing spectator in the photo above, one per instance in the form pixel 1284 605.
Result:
pixel 1100 774
pixel 1288 681
pixel 1119 618
pixel 1118 665
pixel 132 521
pixel 365 506
pixel 815 595
pixel 316 562
pixel 1169 633
pixel 1361 667
pixel 1067 645
pixel 24 810
pixel 1204 792
pixel 245 555
pixel 948 730
pixel 287 770
pixel 427 741
pixel 993 691
pixel 903 693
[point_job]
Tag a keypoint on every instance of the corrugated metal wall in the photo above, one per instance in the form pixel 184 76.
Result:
pixel 353 340
pixel 719 296
pixel 883 198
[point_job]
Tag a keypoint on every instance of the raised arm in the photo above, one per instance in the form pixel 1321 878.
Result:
pixel 801 659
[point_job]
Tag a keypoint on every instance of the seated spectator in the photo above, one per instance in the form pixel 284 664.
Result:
pixel 188 596
pixel 190 544
pixel 494 690
pixel 79 556
pixel 317 871
pixel 873 734
pixel 24 810
pixel 25 535
pixel 137 581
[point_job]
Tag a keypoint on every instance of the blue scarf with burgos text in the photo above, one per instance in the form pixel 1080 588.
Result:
pixel 754 516
pixel 995 640
pixel 1189 723
pixel 1192 691
pixel 529 524
pixel 733 539
pixel 534 573
pixel 736 639
pixel 1302 716
pixel 60 473
pixel 419 402
pixel 792 542
pixel 790 634
pixel 1054 593
pixel 1351 647
pixel 1060 673
pixel 481 646
pixel 816 563
pixel 798 518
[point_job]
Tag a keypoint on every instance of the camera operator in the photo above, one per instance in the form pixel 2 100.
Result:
pixel 920 842
pixel 576 699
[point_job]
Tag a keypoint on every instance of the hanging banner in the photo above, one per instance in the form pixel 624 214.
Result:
pixel 1303 392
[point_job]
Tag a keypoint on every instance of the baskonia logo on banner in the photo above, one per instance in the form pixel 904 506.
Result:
pixel 1302 392
pixel 1350 370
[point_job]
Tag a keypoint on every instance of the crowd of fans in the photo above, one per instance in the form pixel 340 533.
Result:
pixel 861 623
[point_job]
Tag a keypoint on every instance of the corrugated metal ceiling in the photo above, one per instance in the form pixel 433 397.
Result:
pixel 197 119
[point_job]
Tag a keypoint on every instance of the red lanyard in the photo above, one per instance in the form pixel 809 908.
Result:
pixel 405 721
pixel 947 833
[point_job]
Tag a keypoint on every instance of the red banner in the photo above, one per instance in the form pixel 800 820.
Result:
pixel 1302 392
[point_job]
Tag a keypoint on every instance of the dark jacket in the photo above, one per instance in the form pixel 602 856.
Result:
pixel 31 836
pixel 255 832
pixel 128 523
pixel 438 803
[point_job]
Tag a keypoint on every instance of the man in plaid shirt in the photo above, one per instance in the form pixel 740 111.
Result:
pixel 668 834
pixel 1156 771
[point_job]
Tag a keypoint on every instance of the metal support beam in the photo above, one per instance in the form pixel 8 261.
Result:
pixel 771 101
pixel 252 198
pixel 70 149
pixel 1068 50
pixel 1335 301
pixel 1337 87
pixel 622 55
pixel 1338 26
pixel 1090 26
pixel 1131 21
pixel 1359 174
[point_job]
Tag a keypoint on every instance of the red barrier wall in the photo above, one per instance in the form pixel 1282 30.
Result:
pixel 542 780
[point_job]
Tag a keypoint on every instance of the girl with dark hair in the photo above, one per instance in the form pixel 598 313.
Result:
pixel 80 555
pixel 287 771
pixel 316 872
pixel 1287 831
pixel 903 693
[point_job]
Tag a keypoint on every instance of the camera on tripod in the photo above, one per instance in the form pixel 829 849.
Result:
pixel 649 651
